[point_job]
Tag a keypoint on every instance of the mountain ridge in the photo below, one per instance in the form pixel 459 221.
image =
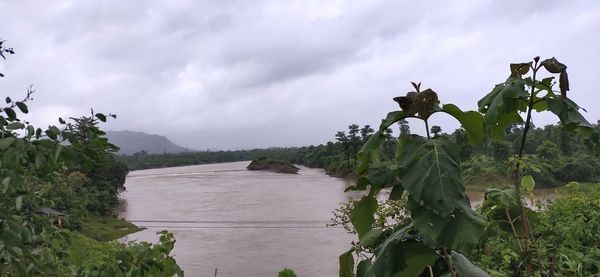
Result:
pixel 131 142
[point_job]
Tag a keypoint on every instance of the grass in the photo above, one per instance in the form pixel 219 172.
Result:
pixel 106 228
pixel 83 250
pixel 586 187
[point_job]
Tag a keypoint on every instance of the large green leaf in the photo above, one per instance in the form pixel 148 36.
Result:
pixel 527 183
pixel 568 113
pixel 502 105
pixel 506 198
pixel 466 268
pixel 369 153
pixel 472 122
pixel 398 256
pixel 361 215
pixel 10 113
pixel 6 142
pixel 391 118
pixel 377 178
pixel 460 230
pixel 417 256
pixel 22 106
pixel 347 264
pixel 371 237
pixel 430 173
pixel 363 267
pixel 15 126
pixel 396 193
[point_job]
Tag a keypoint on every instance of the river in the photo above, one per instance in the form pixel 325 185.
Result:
pixel 244 223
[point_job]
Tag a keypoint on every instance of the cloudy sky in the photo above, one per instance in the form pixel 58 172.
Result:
pixel 242 74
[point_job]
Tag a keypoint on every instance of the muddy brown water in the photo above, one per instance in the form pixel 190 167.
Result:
pixel 244 223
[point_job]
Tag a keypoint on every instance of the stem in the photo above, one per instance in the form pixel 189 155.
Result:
pixel 449 262
pixel 427 128
pixel 512 226
pixel 431 271
pixel 517 172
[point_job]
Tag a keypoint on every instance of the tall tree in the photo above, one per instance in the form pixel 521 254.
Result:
pixel 404 128
pixel 436 130
pixel 389 145
pixel 355 141
pixel 366 132
pixel 343 140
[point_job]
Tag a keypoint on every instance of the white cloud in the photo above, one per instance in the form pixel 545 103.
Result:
pixel 238 74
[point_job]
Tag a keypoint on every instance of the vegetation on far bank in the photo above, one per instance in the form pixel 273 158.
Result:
pixel 560 155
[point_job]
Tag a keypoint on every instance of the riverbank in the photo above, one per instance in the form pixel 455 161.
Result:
pixel 106 228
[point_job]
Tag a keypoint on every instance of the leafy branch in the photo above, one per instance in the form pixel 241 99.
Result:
pixel 426 170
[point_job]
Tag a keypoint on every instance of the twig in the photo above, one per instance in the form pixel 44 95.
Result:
pixel 449 262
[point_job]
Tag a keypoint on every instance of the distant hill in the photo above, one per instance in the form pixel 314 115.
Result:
pixel 132 142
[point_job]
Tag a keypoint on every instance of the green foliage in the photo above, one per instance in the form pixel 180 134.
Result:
pixel 399 256
pixel 286 272
pixel 526 249
pixel 430 173
pixel 106 228
pixel 502 105
pixel 86 257
pixel 347 264
pixel 145 161
pixel 362 215
pixel 71 169
pixel 566 231
pixel 483 171
pixel 427 170
pixel 583 168
pixel 548 151
pixel 464 267
pixel 278 166
pixel 389 214
pixel 472 120
pixel 443 230
pixel 478 170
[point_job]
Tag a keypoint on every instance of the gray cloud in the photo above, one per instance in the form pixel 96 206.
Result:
pixel 240 74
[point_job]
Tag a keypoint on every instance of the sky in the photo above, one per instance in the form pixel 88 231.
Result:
pixel 236 74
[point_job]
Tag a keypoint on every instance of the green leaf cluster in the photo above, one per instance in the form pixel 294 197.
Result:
pixel 443 229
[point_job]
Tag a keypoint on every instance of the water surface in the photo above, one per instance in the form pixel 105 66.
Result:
pixel 245 223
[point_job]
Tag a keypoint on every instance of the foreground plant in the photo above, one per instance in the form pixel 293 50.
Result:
pixel 32 163
pixel 443 229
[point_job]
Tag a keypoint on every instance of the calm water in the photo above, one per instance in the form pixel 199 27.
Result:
pixel 245 223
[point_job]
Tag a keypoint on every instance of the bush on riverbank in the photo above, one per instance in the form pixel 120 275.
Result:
pixel 277 166
pixel 566 231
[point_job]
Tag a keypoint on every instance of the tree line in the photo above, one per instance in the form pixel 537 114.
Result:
pixel 561 156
